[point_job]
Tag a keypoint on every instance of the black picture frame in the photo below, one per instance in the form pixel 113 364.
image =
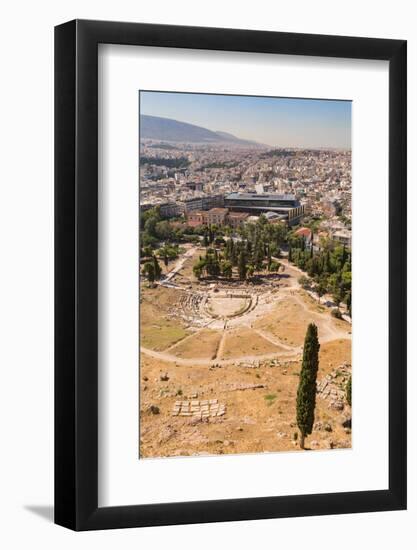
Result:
pixel 76 272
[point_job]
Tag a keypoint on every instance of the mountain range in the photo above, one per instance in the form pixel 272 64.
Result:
pixel 168 129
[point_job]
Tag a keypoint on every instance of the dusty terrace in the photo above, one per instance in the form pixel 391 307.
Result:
pixel 220 365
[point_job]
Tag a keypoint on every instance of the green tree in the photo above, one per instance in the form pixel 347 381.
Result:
pixel 157 268
pixel 307 387
pixel 228 249
pixel 226 269
pixel 274 266
pixel 149 271
pixel 269 259
pixel 249 248
pixel 163 230
pixel 233 253
pixel 349 303
pixel 349 391
pixel 168 252
pixel 335 286
pixel 150 226
pixel 242 267
pixel 212 263
pixel 321 288
pixel 151 213
pixel 327 263
pixel 258 256
pixel 199 268
pixel 304 282
pixel 146 251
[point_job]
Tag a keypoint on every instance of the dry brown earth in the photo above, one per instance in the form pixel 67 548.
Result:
pixel 250 364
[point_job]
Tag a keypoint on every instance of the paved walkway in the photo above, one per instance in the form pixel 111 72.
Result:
pixel 179 264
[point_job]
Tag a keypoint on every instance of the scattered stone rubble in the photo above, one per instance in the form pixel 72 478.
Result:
pixel 332 387
pixel 215 366
pixel 249 364
pixel 320 426
pixel 200 409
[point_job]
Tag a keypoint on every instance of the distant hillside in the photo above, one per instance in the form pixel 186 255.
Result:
pixel 167 129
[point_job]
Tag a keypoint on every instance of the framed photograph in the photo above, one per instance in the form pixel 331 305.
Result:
pixel 230 244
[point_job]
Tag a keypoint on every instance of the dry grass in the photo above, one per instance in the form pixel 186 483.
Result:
pixel 203 344
pixel 254 422
pixel 287 322
pixel 244 341
pixel 157 331
pixel 334 353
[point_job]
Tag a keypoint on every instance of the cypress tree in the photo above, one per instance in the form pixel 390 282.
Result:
pixel 149 271
pixel 306 393
pixel 228 250
pixel 157 268
pixel 328 266
pixel 344 256
pixel 258 256
pixel 233 253
pixel 349 303
pixel 242 266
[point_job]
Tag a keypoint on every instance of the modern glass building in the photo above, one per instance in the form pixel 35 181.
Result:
pixel 287 207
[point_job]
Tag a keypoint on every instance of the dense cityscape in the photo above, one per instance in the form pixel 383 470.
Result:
pixel 185 179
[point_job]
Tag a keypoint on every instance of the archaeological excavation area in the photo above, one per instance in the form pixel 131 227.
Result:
pixel 220 364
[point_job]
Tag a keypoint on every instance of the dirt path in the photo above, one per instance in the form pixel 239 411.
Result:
pixel 180 264
pixel 328 331
pixel 167 357
pixel 220 348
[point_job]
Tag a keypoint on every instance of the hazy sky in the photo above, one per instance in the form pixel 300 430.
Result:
pixel 277 121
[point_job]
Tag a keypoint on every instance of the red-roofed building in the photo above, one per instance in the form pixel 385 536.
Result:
pixel 195 219
pixel 304 232
pixel 217 216
pixel 235 219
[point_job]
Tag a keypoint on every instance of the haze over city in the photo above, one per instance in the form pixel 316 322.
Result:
pixel 277 122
